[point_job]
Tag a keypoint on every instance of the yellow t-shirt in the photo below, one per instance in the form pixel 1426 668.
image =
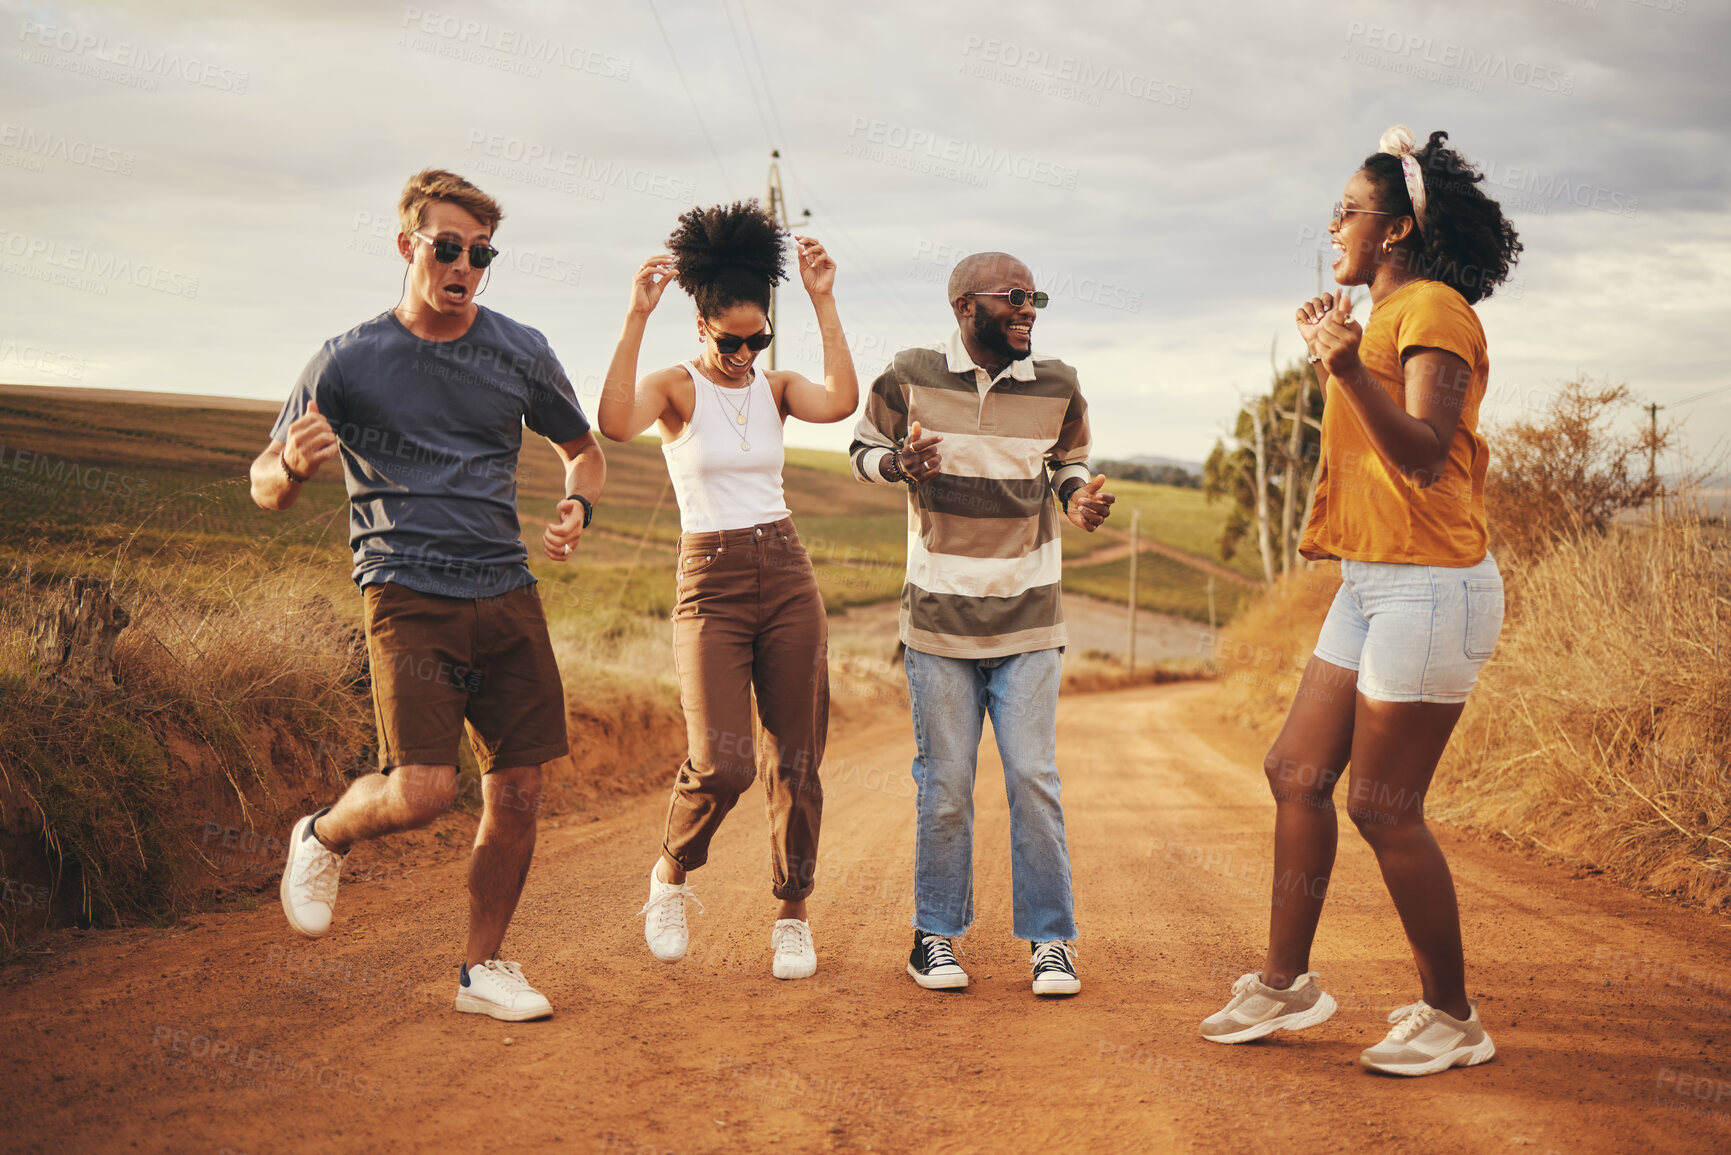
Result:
pixel 1365 509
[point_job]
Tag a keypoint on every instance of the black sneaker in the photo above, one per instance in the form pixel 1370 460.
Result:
pixel 933 963
pixel 1054 966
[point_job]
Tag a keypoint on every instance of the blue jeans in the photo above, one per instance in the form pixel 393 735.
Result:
pixel 1414 633
pixel 950 698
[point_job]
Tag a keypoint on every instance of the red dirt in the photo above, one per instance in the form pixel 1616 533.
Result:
pixel 1610 1010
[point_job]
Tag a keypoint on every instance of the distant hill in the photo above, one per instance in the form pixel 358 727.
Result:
pixel 1154 470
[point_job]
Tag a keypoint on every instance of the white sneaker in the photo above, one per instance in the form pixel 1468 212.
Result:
pixel 309 879
pixel 795 954
pixel 1425 1040
pixel 1054 966
pixel 1257 1010
pixel 498 988
pixel 664 917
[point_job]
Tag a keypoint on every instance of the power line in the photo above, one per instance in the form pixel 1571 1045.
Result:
pixel 854 250
pixel 703 128
pixel 745 66
pixel 1697 397
pixel 762 72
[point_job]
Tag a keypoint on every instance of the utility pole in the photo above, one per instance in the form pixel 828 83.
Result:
pixel 1653 457
pixel 1135 548
pixel 777 205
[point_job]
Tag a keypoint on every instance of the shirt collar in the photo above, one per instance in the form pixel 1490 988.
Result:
pixel 956 355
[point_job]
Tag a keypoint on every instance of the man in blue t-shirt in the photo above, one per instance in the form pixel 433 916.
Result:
pixel 426 406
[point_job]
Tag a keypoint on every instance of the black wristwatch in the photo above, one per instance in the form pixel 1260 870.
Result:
pixel 588 508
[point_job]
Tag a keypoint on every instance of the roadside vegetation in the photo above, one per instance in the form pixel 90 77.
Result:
pixel 1600 730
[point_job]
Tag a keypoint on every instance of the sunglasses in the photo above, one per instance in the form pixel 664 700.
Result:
pixel 446 252
pixel 729 344
pixel 1018 298
pixel 1341 212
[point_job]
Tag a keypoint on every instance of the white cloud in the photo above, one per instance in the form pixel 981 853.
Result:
pixel 1162 163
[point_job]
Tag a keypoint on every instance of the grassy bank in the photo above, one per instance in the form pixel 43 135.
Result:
pixel 243 701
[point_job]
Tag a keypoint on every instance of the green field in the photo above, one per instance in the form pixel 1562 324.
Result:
pixel 92 484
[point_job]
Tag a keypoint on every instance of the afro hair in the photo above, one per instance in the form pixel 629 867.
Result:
pixel 728 255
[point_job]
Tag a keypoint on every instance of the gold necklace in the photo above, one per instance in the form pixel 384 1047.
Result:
pixel 741 416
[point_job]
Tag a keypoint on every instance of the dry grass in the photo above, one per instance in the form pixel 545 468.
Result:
pixel 1601 730
pixel 1262 654
pixel 220 682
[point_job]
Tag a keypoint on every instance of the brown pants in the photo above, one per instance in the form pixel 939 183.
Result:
pixel 749 616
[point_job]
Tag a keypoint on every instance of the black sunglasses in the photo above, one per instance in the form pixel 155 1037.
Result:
pixel 1019 297
pixel 446 252
pixel 729 344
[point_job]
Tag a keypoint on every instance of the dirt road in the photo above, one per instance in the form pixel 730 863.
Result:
pixel 1612 1013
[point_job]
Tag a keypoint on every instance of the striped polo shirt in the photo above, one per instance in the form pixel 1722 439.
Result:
pixel 983 548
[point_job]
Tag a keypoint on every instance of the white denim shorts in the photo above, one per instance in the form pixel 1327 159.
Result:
pixel 1414 633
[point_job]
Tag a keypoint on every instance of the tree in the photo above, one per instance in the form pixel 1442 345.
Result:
pixel 1271 466
pixel 1566 472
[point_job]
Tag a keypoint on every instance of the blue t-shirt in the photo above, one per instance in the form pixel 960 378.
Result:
pixel 430 433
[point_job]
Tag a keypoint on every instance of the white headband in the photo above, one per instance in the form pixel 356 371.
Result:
pixel 1400 142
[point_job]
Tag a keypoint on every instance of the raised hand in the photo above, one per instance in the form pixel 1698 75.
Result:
pixel 1088 505
pixel 1310 316
pixel 816 267
pixel 918 456
pixel 649 282
pixel 311 442
pixel 1337 337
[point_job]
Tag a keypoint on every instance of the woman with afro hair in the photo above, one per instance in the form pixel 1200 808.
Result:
pixel 748 615
pixel 1400 502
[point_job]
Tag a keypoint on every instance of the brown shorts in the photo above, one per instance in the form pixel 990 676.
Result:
pixel 439 661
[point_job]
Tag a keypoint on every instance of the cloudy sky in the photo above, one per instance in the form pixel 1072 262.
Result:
pixel 194 195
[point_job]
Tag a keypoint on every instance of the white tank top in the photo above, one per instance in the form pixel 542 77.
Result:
pixel 726 466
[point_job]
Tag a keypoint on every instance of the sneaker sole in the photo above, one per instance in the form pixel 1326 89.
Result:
pixel 1462 1057
pixel 938 982
pixel 800 971
pixel 469 1004
pixel 1320 1013
pixel 1057 986
pixel 295 836
pixel 668 958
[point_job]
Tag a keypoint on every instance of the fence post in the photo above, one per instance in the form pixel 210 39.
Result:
pixel 1135 548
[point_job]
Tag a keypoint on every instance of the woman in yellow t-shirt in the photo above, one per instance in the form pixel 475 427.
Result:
pixel 1400 501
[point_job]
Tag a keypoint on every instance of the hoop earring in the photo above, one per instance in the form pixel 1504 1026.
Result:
pixel 1385 246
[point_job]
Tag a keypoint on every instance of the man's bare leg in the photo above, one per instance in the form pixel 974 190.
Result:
pixel 504 844
pixel 407 798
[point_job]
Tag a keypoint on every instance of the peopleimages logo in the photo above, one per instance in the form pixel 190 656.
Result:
pixel 482 37
pixel 165 63
pixel 1068 77
pixel 1431 59
pixel 577 169
pixel 94 268
pixel 953 151
pixel 58 146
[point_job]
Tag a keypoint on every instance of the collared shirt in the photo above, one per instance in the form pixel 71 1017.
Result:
pixel 983 547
